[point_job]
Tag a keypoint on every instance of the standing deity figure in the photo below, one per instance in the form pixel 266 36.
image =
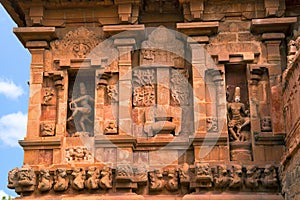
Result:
pixel 237 117
pixel 82 105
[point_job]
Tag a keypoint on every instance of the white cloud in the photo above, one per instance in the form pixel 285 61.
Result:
pixel 3 194
pixel 13 128
pixel 10 89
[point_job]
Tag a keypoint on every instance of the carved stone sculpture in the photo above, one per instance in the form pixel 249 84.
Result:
pixel 237 118
pixel 236 175
pixel 26 177
pixel 252 177
pixel 111 128
pixel 78 154
pixel 45 181
pixel 212 124
pixel 61 180
pixel 222 178
pixel 269 179
pixel 156 180
pixel 12 178
pixel 143 93
pixel 184 173
pixel 48 95
pixel 92 175
pixel 83 106
pixel 112 92
pixel 106 178
pixel 79 179
pixel 203 175
pixel 47 129
pixel 76 44
pixel 172 182
pixel 180 87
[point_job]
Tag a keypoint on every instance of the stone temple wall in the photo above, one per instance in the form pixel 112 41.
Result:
pixel 160 99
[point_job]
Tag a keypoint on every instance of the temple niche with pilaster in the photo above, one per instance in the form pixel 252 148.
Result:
pixel 159 99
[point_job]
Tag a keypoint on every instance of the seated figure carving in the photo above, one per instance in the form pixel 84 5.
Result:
pixel 237 118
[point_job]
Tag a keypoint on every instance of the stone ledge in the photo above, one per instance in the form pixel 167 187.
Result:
pixel 233 197
pixel 42 143
pixel 26 34
pixel 275 25
pixel 198 28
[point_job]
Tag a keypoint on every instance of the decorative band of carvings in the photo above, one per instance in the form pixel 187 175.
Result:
pixel 185 179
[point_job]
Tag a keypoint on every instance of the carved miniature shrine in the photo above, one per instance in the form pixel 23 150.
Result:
pixel 160 99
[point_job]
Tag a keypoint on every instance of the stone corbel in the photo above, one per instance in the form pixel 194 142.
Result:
pixel 102 79
pixel 193 9
pixel 273 8
pixel 128 11
pixel 58 78
pixel 36 15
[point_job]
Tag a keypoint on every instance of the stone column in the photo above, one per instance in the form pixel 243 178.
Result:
pixel 125 46
pixel 198 71
pixel 272 42
pixel 37 49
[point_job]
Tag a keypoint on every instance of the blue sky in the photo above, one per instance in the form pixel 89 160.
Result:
pixel 14 92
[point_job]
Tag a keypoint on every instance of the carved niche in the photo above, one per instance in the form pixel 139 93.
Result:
pixel 162 49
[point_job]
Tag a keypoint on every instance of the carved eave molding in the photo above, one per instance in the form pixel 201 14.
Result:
pixel 266 139
pixel 125 31
pixel 41 143
pixel 118 141
pixel 273 25
pixel 210 139
pixel 198 28
pixel 31 34
pixel 163 142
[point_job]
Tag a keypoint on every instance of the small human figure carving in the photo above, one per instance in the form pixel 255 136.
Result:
pixel 45 182
pixel 111 127
pixel 79 179
pixel 222 179
pixel 236 174
pixel 12 178
pixel 47 129
pixel 106 178
pixel 237 117
pixel 61 180
pixel 269 179
pixel 252 176
pixel 82 105
pixel 184 173
pixel 48 95
pixel 92 181
pixel 156 180
pixel 172 183
pixel 26 177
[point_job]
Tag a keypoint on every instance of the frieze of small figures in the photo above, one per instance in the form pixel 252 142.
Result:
pixel 184 178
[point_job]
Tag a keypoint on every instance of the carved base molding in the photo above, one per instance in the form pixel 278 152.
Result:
pixel 137 180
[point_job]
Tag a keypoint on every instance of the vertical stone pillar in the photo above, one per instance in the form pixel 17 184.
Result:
pixel 125 46
pixel 272 42
pixel 101 83
pixel 60 80
pixel 37 49
pixel 198 71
